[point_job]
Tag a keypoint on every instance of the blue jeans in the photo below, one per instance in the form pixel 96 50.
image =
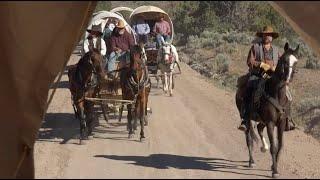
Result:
pixel 123 56
pixel 165 37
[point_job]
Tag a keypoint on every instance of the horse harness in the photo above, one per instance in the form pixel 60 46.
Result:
pixel 135 86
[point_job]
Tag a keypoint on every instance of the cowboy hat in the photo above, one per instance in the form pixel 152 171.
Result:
pixel 268 30
pixel 120 24
pixel 95 28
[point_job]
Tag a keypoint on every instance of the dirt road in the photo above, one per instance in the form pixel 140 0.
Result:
pixel 190 135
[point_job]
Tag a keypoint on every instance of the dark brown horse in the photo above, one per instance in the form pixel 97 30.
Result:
pixel 84 81
pixel 273 103
pixel 136 85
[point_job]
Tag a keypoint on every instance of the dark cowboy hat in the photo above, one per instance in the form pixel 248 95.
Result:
pixel 95 28
pixel 268 30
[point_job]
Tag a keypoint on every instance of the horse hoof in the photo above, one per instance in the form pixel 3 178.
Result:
pixel 272 169
pixel 130 136
pixel 275 175
pixel 85 138
pixel 142 139
pixel 263 149
pixel 82 142
pixel 252 165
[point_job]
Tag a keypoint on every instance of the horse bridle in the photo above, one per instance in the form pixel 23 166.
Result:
pixel 94 72
pixel 133 84
pixel 165 53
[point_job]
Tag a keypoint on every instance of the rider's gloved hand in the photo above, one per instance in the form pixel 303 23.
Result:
pixel 265 66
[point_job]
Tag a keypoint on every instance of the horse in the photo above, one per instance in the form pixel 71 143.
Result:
pixel 167 59
pixel 84 81
pixel 273 103
pixel 136 86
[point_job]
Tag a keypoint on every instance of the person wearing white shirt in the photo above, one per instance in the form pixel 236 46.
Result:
pixel 142 29
pixel 95 40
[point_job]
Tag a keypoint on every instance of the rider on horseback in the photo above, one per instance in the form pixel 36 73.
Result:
pixel 262 56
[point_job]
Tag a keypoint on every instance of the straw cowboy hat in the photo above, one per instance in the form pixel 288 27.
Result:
pixel 95 28
pixel 120 24
pixel 268 30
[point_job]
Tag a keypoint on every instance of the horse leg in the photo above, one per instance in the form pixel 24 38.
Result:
pixel 104 111
pixel 129 124
pixel 120 112
pixel 103 108
pixel 170 83
pixel 249 141
pixel 280 130
pixel 135 114
pixel 146 109
pixel 141 117
pixel 90 117
pixel 165 88
pixel 273 149
pixel 157 78
pixel 265 145
pixel 83 125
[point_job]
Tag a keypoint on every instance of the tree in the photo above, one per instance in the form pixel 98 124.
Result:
pixel 103 6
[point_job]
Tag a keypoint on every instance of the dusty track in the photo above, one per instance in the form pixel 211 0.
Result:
pixel 190 135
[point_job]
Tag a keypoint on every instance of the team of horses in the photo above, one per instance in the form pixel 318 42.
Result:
pixel 85 81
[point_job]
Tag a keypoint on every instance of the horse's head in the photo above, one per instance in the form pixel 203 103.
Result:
pixel 167 54
pixel 287 64
pixel 137 61
pixel 96 62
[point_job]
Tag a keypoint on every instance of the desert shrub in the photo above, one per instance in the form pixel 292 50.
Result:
pixel 240 38
pixel 221 63
pixel 312 62
pixel 308 103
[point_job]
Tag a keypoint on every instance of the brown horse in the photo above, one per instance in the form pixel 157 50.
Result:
pixel 273 103
pixel 136 85
pixel 84 81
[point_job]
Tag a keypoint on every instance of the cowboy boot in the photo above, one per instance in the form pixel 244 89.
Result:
pixel 243 126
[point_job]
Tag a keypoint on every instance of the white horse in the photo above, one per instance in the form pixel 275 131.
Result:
pixel 167 60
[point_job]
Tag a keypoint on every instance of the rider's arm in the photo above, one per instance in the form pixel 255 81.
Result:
pixel 251 60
